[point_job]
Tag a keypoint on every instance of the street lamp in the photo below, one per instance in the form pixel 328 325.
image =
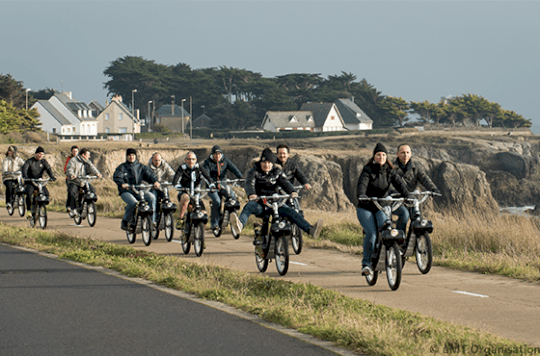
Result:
pixel 133 112
pixel 149 117
pixel 27 90
pixel 182 103
pixel 172 105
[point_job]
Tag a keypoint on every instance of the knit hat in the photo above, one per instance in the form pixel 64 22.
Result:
pixel 131 151
pixel 40 150
pixel 267 155
pixel 380 148
pixel 216 149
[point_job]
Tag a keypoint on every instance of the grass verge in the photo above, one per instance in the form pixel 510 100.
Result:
pixel 356 324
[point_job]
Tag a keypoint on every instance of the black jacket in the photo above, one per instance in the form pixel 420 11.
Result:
pixel 261 183
pixel 33 168
pixel 225 164
pixel 183 175
pixel 132 173
pixel 377 181
pixel 412 174
pixel 292 171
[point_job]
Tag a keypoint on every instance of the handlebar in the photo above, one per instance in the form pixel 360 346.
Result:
pixel 424 196
pixel 196 190
pixel 13 173
pixel 231 181
pixel 87 177
pixel 268 200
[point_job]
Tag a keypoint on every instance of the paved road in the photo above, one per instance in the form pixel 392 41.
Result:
pixel 500 305
pixel 51 307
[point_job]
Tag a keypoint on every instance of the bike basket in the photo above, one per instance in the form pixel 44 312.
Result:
pixel 168 206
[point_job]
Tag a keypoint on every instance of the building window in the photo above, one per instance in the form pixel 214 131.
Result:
pixel 122 130
pixel 54 130
pixel 107 117
pixel 120 116
pixel 332 117
pixel 107 130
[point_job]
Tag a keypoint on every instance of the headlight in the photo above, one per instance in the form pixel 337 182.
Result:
pixel 424 222
pixel 233 202
pixel 394 232
pixel 146 208
pixel 169 204
pixel 281 224
pixel 200 215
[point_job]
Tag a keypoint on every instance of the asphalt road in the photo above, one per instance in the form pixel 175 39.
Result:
pixel 503 306
pixel 51 307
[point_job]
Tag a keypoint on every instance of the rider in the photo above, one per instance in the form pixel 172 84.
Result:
pixel 290 168
pixel 412 174
pixel 12 163
pixel 376 180
pixel 183 178
pixel 131 172
pixel 163 171
pixel 79 166
pixel 217 166
pixel 33 168
pixel 265 178
pixel 73 153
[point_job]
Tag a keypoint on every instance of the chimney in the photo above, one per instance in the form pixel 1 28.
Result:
pixel 352 99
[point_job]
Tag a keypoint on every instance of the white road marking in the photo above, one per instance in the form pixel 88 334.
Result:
pixel 471 294
pixel 298 263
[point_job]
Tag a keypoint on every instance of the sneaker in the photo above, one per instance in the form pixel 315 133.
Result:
pixel 71 212
pixel 315 230
pixel 124 226
pixel 215 230
pixel 236 225
pixel 179 224
pixel 29 215
pixel 9 206
pixel 366 270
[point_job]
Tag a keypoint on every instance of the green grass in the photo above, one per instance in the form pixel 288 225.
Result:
pixel 356 324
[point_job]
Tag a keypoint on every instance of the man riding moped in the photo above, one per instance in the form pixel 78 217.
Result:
pixel 34 168
pixel 79 166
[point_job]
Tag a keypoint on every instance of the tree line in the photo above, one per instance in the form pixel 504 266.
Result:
pixel 239 98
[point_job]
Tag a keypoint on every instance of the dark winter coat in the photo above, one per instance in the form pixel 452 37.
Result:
pixel 261 183
pixel 412 174
pixel 377 181
pixel 183 175
pixel 132 173
pixel 219 172
pixel 292 172
pixel 33 169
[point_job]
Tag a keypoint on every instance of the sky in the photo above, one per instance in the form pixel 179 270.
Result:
pixel 417 50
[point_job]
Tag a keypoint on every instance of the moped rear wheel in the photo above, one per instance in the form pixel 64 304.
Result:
pixel 168 226
pixel 296 239
pixel 372 278
pixel 10 209
pixel 198 242
pixel 393 266
pixel 42 216
pixel 22 206
pixel 130 234
pixel 186 245
pixel 77 218
pixel 146 229
pixel 155 232
pixel 282 255
pixel 424 253
pixel 92 214
pixel 262 263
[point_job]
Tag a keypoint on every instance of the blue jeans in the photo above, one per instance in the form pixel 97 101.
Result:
pixel 131 201
pixel 371 223
pixel 403 215
pixel 216 204
pixel 256 209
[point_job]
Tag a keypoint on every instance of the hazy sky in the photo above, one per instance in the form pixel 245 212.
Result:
pixel 418 50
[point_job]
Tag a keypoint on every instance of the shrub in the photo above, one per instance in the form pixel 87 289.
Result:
pixel 32 137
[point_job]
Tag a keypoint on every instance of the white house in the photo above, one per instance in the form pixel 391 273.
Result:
pixel 64 116
pixel 353 117
pixel 275 121
pixel 326 116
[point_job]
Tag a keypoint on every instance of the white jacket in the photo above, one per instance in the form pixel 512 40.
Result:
pixel 11 164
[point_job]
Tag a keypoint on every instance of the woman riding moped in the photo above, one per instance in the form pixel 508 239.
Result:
pixel 376 180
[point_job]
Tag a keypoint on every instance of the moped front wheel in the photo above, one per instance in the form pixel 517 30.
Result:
pixel 42 216
pixel 393 266
pixel 22 206
pixel 92 214
pixel 296 239
pixel 168 226
pixel 282 255
pixel 186 245
pixel 155 232
pixel 198 242
pixel 424 253
pixel 146 229
pixel 130 233
pixel 77 218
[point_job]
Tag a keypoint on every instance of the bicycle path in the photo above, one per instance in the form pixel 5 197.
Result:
pixel 503 306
